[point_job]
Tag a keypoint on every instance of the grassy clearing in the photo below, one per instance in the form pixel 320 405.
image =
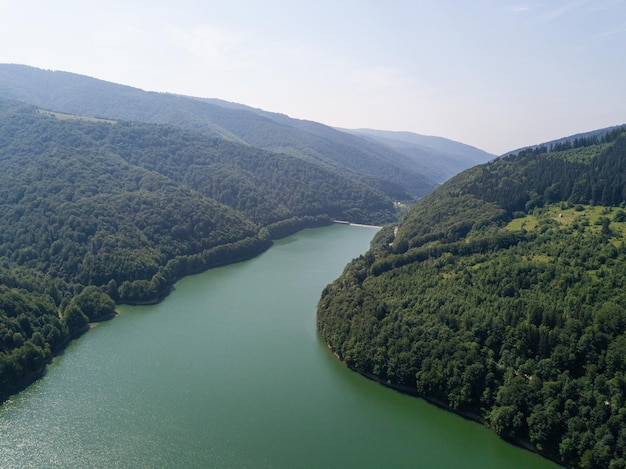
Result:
pixel 587 216
pixel 528 223
pixel 538 258
pixel 67 117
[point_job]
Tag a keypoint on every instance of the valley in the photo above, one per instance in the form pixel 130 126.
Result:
pixel 493 287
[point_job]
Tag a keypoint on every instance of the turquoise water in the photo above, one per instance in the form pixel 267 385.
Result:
pixel 228 372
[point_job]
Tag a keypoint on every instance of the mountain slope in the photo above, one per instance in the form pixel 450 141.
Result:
pixel 571 141
pixel 500 295
pixel 434 157
pixel 52 164
pixel 75 94
pixel 437 158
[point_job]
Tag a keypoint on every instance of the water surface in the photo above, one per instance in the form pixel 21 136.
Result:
pixel 228 372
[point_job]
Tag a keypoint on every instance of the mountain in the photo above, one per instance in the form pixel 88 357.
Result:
pixel 79 95
pixel 97 211
pixel 435 157
pixel 395 171
pixel 208 191
pixel 500 296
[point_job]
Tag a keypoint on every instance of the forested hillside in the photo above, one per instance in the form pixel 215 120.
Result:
pixel 380 167
pixel 501 296
pixel 93 212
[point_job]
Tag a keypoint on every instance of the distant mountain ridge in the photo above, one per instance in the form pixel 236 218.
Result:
pixel 436 157
pixel 568 139
pixel 396 173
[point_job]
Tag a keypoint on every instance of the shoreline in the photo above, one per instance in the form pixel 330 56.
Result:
pixel 359 225
pixel 436 402
pixel 32 376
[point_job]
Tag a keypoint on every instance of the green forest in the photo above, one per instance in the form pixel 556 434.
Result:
pixel 378 166
pixel 501 297
pixel 97 212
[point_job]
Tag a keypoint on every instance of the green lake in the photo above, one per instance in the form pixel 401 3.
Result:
pixel 229 372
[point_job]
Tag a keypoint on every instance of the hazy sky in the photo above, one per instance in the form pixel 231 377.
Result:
pixel 496 74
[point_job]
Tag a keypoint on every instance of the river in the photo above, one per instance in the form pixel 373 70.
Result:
pixel 228 372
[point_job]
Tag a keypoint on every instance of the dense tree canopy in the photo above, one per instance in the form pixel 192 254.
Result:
pixel 375 165
pixel 501 295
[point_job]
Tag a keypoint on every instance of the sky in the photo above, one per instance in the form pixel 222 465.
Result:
pixel 495 74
